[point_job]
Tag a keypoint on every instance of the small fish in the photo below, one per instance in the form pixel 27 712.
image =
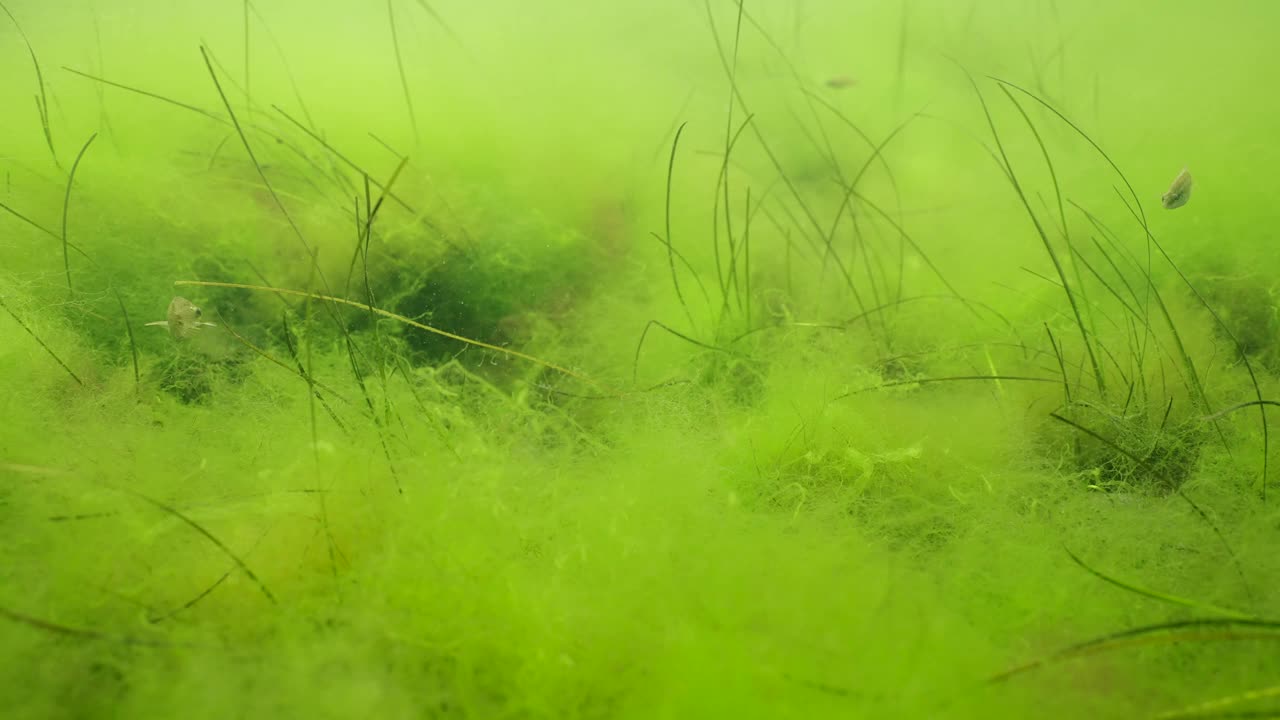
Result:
pixel 183 318
pixel 1179 192
pixel 840 82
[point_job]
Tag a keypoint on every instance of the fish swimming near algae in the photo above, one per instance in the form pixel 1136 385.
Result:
pixel 1179 192
pixel 183 319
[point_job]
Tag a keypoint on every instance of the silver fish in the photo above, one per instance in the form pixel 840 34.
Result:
pixel 1179 192
pixel 183 318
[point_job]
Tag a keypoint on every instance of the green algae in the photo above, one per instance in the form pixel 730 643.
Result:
pixel 794 418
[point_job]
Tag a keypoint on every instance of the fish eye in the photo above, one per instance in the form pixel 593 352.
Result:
pixel 198 312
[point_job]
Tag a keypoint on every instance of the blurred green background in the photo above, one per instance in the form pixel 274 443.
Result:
pixel 662 359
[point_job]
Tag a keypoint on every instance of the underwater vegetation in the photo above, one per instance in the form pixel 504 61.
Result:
pixel 671 359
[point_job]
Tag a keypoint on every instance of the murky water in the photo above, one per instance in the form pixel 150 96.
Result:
pixel 638 359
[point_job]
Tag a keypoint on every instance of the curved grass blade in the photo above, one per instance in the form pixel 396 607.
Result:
pixel 644 333
pixel 1216 708
pixel 950 378
pixel 66 207
pixel 133 343
pixel 401 319
pixel 1141 217
pixel 675 279
pixel 1155 595
pixel 1044 237
pixel 208 535
pixel 1145 463
pixel 67 631
pixel 1170 632
pixel 41 343
pixel 42 100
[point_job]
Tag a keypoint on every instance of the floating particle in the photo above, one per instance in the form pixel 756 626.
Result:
pixel 183 318
pixel 1179 192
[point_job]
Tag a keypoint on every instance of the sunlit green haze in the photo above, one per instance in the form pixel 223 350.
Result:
pixel 639 359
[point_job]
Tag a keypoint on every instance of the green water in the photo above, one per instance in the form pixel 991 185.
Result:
pixel 625 359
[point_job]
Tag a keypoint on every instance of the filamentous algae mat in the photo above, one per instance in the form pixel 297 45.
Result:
pixel 639 359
